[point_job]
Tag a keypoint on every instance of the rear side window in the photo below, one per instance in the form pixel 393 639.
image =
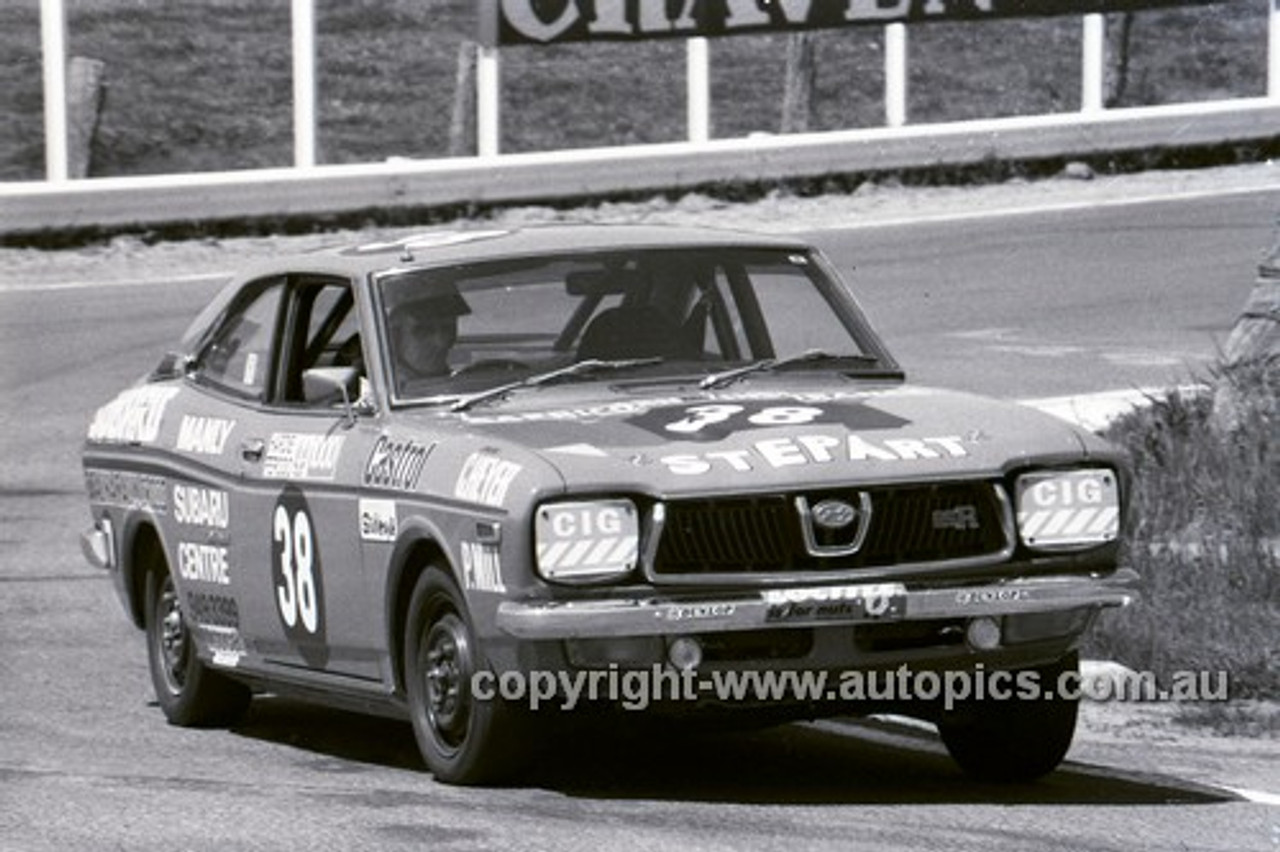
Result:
pixel 237 358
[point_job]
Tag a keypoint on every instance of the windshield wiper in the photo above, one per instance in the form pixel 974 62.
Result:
pixel 813 356
pixel 578 368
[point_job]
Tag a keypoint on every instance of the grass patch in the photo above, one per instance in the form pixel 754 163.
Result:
pixel 1235 719
pixel 1205 535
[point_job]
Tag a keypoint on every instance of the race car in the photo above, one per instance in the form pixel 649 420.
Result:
pixel 462 476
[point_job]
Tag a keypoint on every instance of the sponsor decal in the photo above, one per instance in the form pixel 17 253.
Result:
pixel 753 402
pixel 302 456
pixel 1078 507
pixel 203 563
pixel 217 619
pixel 212 610
pixel 585 414
pixel 378 520
pixel 485 478
pixel 960 518
pixel 481 567
pixel 228 658
pixel 128 490
pixel 201 507
pixel 876 600
pixel 801 450
pixel 203 435
pixel 133 417
pixel 250 377
pixel 695 612
pixel 581 538
pixel 965 597
pixel 396 464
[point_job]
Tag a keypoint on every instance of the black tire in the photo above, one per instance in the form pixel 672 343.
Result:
pixel 462 740
pixel 190 694
pixel 1014 740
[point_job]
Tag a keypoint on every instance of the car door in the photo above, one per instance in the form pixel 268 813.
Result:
pixel 300 461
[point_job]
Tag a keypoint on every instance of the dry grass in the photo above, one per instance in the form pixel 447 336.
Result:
pixel 1206 536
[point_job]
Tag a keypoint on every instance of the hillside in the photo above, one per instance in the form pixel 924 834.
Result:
pixel 197 85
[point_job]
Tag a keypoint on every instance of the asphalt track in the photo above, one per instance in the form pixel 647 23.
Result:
pixel 1040 304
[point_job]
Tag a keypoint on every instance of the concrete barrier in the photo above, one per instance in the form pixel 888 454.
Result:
pixel 149 201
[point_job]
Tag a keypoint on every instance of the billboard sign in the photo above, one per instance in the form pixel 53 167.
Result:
pixel 515 22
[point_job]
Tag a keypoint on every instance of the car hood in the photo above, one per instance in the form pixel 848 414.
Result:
pixel 766 435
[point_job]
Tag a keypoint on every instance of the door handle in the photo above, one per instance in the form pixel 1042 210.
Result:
pixel 251 449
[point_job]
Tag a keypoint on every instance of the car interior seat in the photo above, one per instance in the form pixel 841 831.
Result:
pixel 621 332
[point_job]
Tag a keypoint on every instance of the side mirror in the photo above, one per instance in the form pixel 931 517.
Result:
pixel 322 385
pixel 174 365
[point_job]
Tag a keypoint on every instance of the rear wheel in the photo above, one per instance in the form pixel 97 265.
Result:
pixel 463 740
pixel 189 693
pixel 1015 739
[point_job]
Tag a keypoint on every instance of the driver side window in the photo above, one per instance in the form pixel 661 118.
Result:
pixel 323 332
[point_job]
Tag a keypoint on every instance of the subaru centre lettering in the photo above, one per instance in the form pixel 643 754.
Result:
pixel 201 507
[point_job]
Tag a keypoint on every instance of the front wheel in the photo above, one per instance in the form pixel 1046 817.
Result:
pixel 1016 739
pixel 189 693
pixel 463 740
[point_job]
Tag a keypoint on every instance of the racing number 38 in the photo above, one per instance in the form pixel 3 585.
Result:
pixel 297 581
pixel 296 593
pixel 699 417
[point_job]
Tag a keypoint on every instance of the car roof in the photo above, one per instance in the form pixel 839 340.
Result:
pixel 443 247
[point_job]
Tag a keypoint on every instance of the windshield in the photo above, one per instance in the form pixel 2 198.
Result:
pixel 667 313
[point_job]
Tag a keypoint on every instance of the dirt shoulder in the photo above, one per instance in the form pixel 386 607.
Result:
pixel 131 258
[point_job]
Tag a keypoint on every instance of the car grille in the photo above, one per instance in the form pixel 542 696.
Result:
pixel 910 524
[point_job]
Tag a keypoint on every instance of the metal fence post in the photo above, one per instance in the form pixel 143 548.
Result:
pixel 303 21
pixel 1273 50
pixel 895 74
pixel 53 48
pixel 1093 63
pixel 698 89
pixel 488 101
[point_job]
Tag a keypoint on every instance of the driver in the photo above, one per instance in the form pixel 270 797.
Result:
pixel 423 331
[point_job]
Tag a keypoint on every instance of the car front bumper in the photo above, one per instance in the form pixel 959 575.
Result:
pixel 809 606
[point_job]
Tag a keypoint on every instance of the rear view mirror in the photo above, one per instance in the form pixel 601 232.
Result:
pixel 322 385
pixel 174 365
pixel 602 282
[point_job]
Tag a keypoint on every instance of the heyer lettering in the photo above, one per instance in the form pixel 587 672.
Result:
pixel 485 479
pixel 632 19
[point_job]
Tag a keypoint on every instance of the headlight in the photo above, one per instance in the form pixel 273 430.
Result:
pixel 1065 509
pixel 587 542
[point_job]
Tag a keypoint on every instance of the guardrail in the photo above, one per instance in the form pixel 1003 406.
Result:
pixel 490 179
pixel 560 175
